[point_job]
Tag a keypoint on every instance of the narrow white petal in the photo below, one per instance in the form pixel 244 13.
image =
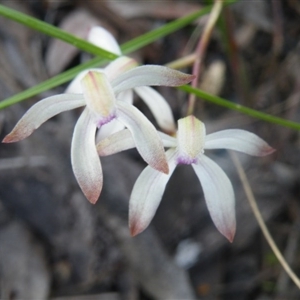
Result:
pixel 146 195
pixel 119 66
pixel 41 112
pixel 150 75
pixel 104 39
pixel 117 142
pixel 85 161
pixel 145 136
pixel 219 195
pixel 239 140
pixel 159 107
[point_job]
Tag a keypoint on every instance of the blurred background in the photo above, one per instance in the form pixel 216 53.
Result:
pixel 55 245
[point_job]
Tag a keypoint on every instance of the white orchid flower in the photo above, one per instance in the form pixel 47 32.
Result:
pixel 156 103
pixel 188 148
pixel 101 106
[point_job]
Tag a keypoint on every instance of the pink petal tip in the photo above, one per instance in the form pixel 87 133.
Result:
pixel 267 150
pixel 12 138
pixel 164 167
pixel 229 234
pixel 92 192
pixel 92 197
pixel 135 226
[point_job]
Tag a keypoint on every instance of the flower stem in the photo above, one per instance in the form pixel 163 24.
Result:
pixel 182 62
pixel 201 49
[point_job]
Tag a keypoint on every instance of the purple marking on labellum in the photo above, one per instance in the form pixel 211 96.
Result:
pixel 186 160
pixel 105 120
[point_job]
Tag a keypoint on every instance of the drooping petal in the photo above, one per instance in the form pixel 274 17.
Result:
pixel 75 85
pixel 99 96
pixel 41 112
pixel 103 39
pixel 239 140
pixel 219 195
pixel 146 195
pixel 119 66
pixel 145 136
pixel 150 75
pixel 85 161
pixel 190 136
pixel 159 107
pixel 123 140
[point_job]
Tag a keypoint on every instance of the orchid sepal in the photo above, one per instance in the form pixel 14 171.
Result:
pixel 147 194
pixel 123 140
pixel 150 75
pixel 238 140
pixel 84 157
pixel 120 65
pixel 145 136
pixel 159 107
pixel 41 112
pixel 104 39
pixel 218 194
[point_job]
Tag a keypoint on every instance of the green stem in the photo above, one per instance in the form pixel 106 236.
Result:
pixel 242 109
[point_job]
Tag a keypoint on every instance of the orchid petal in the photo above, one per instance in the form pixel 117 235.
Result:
pixel 103 39
pixel 145 136
pixel 117 142
pixel 119 66
pixel 150 75
pixel 108 129
pixel 41 112
pixel 219 195
pixel 85 161
pixel 146 195
pixel 239 140
pixel 168 141
pixel 190 136
pixel 123 140
pixel 75 85
pixel 159 107
pixel 99 96
pixel 126 96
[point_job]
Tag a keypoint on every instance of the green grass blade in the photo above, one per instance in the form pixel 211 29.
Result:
pixel 54 32
pixel 153 35
pixel 127 47
pixel 50 83
pixel 132 45
pixel 240 108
